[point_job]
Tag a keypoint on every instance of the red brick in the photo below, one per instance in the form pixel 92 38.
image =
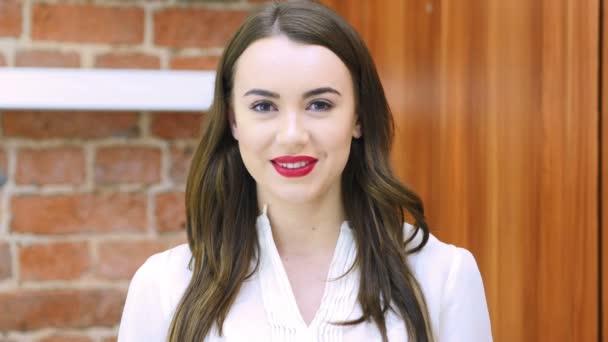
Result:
pixel 54 261
pixel 65 338
pixel 87 23
pixel 195 63
pixel 31 309
pixel 10 18
pixel 60 214
pixel 41 58
pixel 3 159
pixel 62 165
pixel 83 125
pixel 5 261
pixel 188 27
pixel 127 164
pixel 176 125
pixel 120 259
pixel 170 211
pixel 127 61
pixel 181 157
pixel 178 239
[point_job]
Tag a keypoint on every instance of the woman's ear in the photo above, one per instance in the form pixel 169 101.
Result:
pixel 357 130
pixel 232 122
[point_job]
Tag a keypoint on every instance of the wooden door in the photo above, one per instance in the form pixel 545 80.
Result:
pixel 496 106
pixel 604 175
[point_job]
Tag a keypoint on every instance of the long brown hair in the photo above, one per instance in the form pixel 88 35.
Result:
pixel 221 201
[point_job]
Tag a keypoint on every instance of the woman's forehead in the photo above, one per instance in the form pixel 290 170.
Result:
pixel 279 62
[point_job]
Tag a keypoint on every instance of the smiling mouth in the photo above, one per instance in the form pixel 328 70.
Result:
pixel 294 166
pixel 297 165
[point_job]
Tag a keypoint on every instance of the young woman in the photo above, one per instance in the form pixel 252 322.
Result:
pixel 295 221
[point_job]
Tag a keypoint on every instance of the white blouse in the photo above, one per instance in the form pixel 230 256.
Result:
pixel 265 308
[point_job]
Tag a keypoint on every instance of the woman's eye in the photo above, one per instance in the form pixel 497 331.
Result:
pixel 320 106
pixel 262 107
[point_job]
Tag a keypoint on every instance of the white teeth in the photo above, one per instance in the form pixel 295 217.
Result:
pixel 293 165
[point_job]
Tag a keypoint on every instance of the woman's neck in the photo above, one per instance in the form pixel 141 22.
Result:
pixel 303 229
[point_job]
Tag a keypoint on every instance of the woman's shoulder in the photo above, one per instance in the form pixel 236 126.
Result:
pixel 171 257
pixel 170 264
pixel 165 275
pixel 451 282
pixel 440 257
pixel 154 290
pixel 172 261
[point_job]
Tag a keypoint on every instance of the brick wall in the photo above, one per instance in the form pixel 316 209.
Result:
pixel 86 197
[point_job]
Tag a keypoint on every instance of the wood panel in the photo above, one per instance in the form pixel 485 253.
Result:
pixel 496 106
pixel 604 175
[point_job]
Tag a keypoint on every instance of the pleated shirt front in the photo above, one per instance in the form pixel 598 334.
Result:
pixel 266 310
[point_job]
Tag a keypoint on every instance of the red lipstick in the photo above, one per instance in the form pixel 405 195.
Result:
pixel 294 166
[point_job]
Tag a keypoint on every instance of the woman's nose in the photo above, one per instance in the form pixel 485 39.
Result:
pixel 292 130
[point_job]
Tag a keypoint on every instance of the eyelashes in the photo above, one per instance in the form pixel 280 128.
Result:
pixel 262 107
pixel 321 106
pixel 315 106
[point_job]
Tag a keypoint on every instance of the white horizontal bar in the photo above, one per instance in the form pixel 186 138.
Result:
pixel 105 89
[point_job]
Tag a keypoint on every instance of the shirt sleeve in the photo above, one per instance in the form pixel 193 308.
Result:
pixel 143 317
pixel 464 312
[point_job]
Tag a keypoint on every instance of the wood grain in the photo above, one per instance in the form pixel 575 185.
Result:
pixel 604 176
pixel 496 106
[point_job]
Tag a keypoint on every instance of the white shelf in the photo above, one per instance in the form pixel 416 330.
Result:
pixel 105 89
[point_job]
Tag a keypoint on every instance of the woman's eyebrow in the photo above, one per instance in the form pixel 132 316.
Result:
pixel 313 92
pixel 262 92
pixel 320 91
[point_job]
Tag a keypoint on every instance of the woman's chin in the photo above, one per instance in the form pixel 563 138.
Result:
pixel 295 196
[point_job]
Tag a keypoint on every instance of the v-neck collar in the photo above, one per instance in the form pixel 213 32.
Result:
pixel 339 297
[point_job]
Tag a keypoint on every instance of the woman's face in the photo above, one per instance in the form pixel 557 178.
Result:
pixel 293 114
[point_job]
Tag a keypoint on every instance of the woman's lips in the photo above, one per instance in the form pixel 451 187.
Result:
pixel 294 166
